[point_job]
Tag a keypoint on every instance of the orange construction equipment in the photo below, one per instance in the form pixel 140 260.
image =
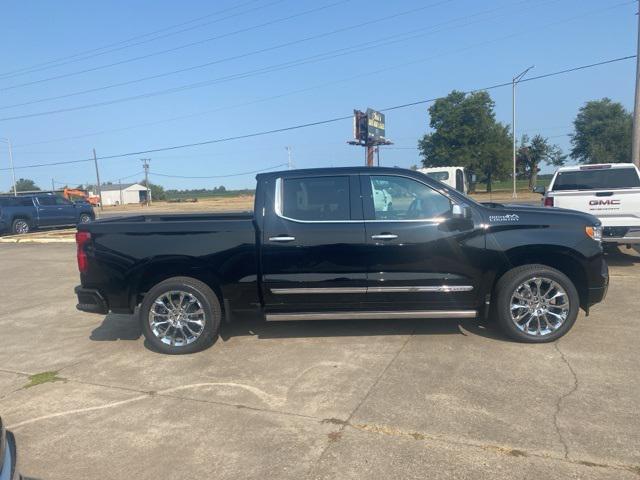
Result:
pixel 74 194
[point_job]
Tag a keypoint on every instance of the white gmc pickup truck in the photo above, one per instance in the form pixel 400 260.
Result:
pixel 608 191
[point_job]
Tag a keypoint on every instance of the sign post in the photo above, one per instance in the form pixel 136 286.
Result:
pixel 369 132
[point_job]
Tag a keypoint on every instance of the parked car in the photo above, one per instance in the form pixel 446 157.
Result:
pixel 610 191
pixel 8 455
pixel 318 247
pixel 23 213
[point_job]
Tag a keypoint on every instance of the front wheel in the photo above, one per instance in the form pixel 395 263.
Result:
pixel 20 225
pixel 180 315
pixel 536 303
pixel 85 218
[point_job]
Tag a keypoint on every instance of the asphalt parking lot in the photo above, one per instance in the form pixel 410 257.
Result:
pixel 340 400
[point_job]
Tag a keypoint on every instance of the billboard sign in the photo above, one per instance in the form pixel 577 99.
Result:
pixel 375 126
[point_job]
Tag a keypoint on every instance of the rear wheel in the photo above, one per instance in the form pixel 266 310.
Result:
pixel 536 303
pixel 180 315
pixel 20 225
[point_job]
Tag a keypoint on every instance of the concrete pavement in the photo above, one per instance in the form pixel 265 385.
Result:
pixel 380 399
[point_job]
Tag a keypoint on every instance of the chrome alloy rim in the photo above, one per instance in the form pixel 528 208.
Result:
pixel 177 318
pixel 539 306
pixel 22 226
pixel 85 218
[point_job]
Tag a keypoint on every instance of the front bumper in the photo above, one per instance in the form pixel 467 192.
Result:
pixel 597 294
pixel 91 300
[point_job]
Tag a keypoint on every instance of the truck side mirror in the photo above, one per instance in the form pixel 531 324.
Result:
pixel 460 211
pixel 540 189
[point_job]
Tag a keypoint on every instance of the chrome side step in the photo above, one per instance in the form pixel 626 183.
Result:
pixel 376 315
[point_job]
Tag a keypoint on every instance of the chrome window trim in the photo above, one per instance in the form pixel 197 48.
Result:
pixel 407 289
pixel 278 206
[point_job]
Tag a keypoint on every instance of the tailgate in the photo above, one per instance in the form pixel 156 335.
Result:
pixel 614 208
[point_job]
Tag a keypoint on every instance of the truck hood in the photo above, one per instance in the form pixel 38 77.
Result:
pixel 544 213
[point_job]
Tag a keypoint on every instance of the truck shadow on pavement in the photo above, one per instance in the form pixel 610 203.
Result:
pixel 126 327
pixel 622 257
pixel 116 327
pixel 247 326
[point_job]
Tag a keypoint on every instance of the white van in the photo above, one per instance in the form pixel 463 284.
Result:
pixel 609 191
pixel 453 176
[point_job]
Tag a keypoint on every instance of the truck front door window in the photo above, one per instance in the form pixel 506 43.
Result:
pixel 402 198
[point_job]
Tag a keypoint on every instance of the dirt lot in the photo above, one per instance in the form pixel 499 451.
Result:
pixel 243 203
pixel 352 399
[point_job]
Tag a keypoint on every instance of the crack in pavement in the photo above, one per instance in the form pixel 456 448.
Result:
pixel 366 396
pixel 386 430
pixel 562 397
pixel 489 447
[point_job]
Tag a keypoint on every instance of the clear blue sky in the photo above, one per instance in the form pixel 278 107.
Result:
pixel 455 44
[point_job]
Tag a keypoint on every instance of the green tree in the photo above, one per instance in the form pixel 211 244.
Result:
pixel 534 152
pixel 26 185
pixel 602 133
pixel 157 191
pixel 466 133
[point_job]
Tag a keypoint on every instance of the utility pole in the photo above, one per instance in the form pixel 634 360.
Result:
pixel 120 186
pixel 145 164
pixel 289 162
pixel 514 82
pixel 635 143
pixel 98 186
pixel 53 185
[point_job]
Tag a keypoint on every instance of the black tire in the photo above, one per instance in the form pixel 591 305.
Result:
pixel 20 225
pixel 210 305
pixel 507 286
pixel 85 218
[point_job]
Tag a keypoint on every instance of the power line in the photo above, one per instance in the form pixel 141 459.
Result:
pixel 316 123
pixel 219 176
pixel 235 57
pixel 180 47
pixel 87 54
pixel 305 60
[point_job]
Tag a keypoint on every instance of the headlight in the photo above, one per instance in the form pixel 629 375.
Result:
pixel 594 232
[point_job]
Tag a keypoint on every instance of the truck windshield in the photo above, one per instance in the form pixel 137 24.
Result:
pixel 601 179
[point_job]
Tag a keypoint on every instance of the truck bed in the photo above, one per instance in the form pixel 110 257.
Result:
pixel 131 251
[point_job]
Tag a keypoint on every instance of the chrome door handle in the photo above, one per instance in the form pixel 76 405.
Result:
pixel 384 236
pixel 282 239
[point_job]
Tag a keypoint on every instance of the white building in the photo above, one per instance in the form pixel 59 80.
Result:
pixel 123 194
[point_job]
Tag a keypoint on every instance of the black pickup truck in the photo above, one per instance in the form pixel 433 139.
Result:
pixel 345 243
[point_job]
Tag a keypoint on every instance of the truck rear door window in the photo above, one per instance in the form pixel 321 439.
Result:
pixel 316 198
pixel 600 179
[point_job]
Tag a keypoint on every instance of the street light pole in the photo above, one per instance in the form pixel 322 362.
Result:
pixel 635 143
pixel 13 172
pixel 514 82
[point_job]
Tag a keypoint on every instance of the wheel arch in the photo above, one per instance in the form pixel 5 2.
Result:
pixel 155 272
pixel 565 260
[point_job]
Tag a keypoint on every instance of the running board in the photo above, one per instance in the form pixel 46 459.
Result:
pixel 377 315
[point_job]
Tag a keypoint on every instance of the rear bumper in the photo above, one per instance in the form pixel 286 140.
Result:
pixel 91 300
pixel 627 235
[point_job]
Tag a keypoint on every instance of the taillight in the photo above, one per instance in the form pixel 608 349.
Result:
pixel 548 201
pixel 81 239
